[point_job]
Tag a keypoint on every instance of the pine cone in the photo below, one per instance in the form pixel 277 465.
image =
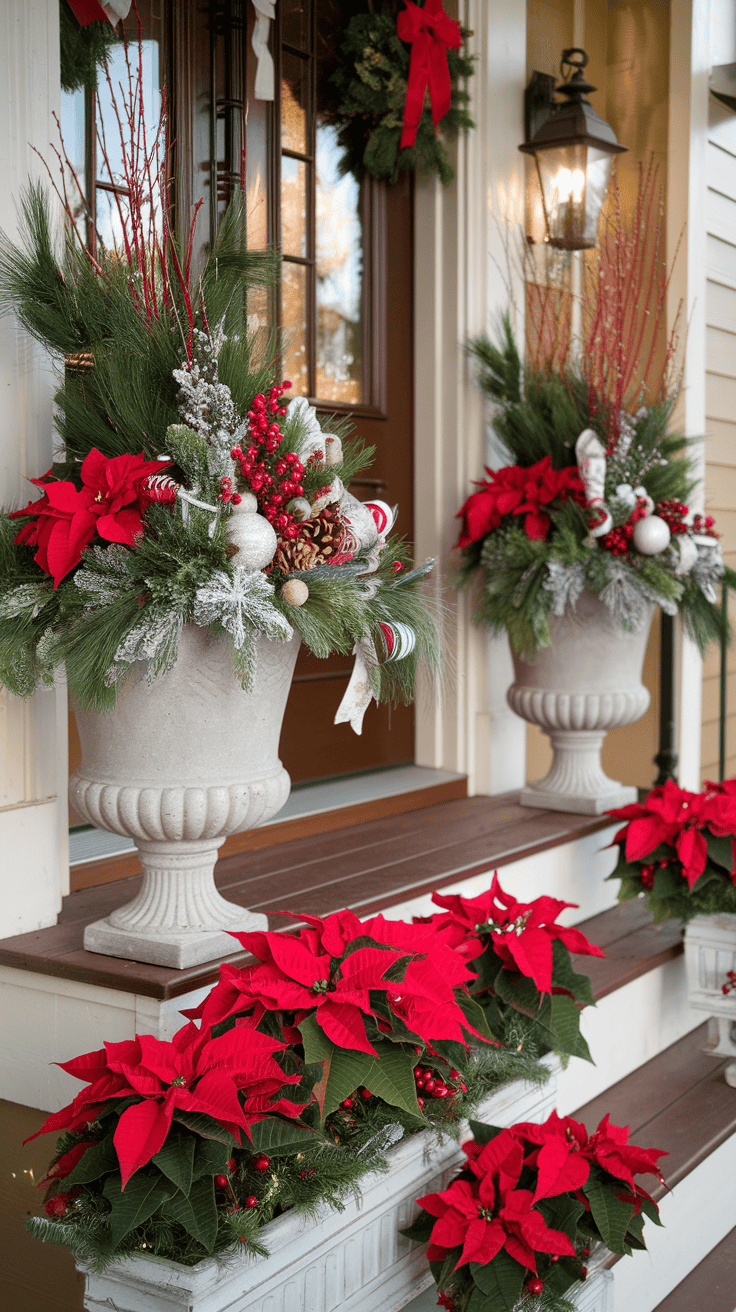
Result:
pixel 318 541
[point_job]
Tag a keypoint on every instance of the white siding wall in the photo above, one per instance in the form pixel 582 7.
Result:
pixel 720 447
pixel 33 842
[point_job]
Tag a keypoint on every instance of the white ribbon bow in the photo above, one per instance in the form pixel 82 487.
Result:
pixel 591 457
pixel 265 13
pixel 359 692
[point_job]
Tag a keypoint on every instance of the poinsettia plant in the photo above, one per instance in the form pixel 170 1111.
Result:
pixel 168 1137
pixel 383 1006
pixel 678 849
pixel 525 981
pixel 521 1217
pixel 187 487
pixel 306 1064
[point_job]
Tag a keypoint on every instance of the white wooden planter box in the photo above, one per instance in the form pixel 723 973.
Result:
pixel 710 952
pixel 350 1261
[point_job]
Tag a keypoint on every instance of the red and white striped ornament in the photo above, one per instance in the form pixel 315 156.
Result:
pixel 384 515
pixel 400 640
pixel 159 489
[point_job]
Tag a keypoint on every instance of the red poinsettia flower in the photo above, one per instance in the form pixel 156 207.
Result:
pixel 674 816
pixel 522 933
pixel 193 1072
pixel 518 490
pixel 68 517
pixel 64 1165
pixel 489 1213
pixel 315 971
pixel 562 1153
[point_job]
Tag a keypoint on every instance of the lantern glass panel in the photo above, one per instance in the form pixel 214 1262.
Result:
pixel 574 181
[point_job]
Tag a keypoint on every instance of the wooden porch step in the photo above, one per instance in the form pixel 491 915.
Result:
pixel 370 867
pixel 712 1285
pixel 679 1101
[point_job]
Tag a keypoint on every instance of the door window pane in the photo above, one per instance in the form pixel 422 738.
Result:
pixel 294 207
pixel 295 23
pixel 294 90
pixel 339 276
pixel 294 284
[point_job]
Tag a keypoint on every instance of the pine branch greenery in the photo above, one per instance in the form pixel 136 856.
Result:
pixel 523 580
pixel 369 86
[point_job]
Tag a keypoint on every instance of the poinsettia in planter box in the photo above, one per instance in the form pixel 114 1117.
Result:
pixel 677 849
pixel 306 1066
pixel 335 1261
pixel 517 1225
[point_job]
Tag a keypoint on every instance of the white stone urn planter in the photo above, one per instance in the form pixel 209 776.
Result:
pixel 178 765
pixel 710 952
pixel 350 1261
pixel 587 682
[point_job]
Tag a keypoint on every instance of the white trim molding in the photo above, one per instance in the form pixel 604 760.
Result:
pixel 465 239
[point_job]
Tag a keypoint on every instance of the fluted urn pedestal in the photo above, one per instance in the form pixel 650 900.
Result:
pixel 587 682
pixel 178 765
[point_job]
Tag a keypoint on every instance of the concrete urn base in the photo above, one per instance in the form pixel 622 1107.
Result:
pixel 587 682
pixel 178 765
pixel 710 953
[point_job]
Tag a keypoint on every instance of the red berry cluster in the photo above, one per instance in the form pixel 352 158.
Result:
pixel 646 873
pixel 730 984
pixel 274 479
pixel 429 1082
pixel 535 1285
pixel 56 1206
pixel 673 513
pixel 444 1300
pixel 228 493
pixel 618 540
pixel 704 524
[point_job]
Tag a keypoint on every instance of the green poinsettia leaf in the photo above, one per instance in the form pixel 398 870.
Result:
pixel 500 1280
pixel 205 1126
pixel 518 991
pixel 480 1302
pixel 317 1046
pixel 564 977
pixel 420 1229
pixel 277 1138
pixel 211 1158
pixel 99 1159
pixel 143 1195
pixel 197 1212
pixel 720 851
pixel 612 1215
pixel 668 882
pixel 562 1213
pixel 565 1027
pixel 176 1160
pixel 391 1076
pixel 474 1014
pixel 483 1133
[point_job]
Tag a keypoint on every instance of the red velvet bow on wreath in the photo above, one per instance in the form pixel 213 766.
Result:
pixel 92 11
pixel 431 33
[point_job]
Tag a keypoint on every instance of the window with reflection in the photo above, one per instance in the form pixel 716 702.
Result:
pixel 324 221
pixel 92 126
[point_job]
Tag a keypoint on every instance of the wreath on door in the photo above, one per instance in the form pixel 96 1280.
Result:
pixel 401 75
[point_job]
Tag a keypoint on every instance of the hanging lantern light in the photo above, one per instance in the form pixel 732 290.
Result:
pixel 573 148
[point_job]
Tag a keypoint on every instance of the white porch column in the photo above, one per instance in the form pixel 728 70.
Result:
pixel 686 214
pixel 466 253
pixel 33 811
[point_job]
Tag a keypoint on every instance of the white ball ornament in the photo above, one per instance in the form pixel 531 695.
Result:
pixel 294 592
pixel 251 534
pixel 651 535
